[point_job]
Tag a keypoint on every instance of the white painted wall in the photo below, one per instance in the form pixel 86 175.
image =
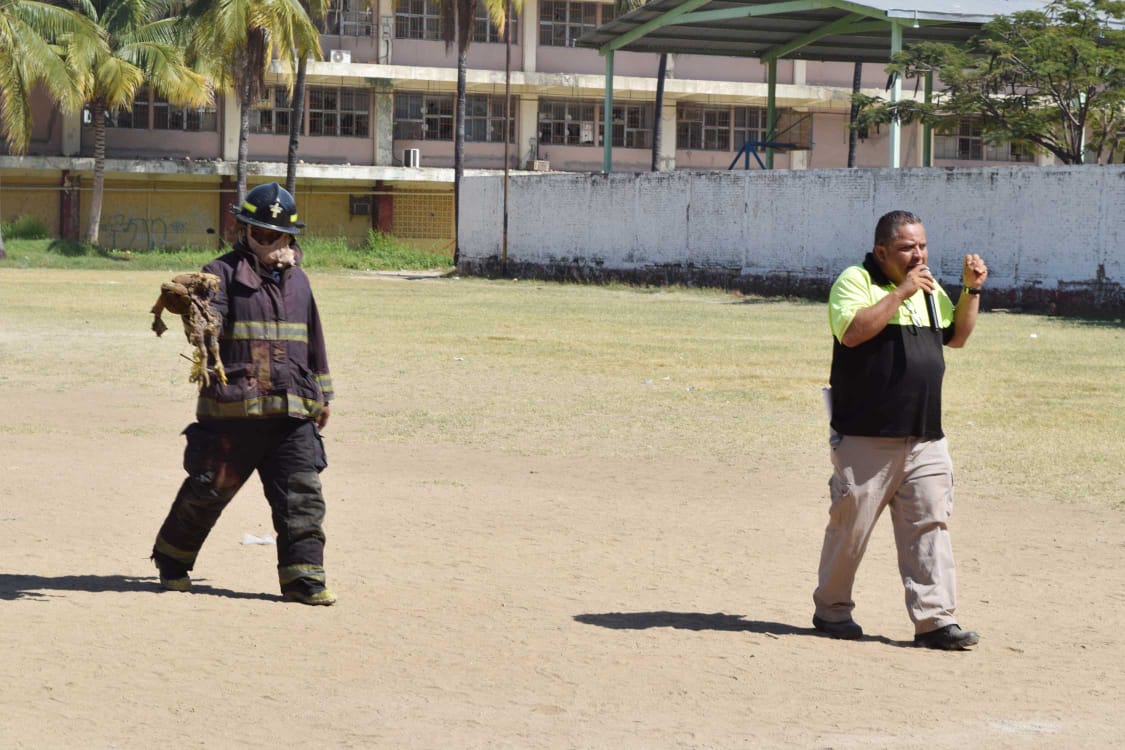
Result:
pixel 1035 226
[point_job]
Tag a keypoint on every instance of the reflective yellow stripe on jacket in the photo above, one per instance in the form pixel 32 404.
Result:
pixel 263 406
pixel 250 330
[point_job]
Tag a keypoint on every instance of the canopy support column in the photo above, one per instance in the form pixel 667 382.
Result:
pixel 896 95
pixel 771 109
pixel 607 116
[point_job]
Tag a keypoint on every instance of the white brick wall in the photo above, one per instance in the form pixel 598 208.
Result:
pixel 1037 227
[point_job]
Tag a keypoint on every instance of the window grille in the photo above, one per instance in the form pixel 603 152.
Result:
pixel 484 119
pixel 567 122
pixel 485 31
pixel 703 128
pixel 418 19
pixel 561 22
pixel 423 216
pixel 271 113
pixel 343 112
pixel 964 141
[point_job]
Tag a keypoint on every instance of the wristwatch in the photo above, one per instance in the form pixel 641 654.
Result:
pixel 971 290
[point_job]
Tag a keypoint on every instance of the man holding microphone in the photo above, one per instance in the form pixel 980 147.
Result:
pixel 887 444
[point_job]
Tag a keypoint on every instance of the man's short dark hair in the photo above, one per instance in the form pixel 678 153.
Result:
pixel 889 223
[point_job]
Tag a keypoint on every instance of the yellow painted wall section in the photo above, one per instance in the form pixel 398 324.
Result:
pixel 35 197
pixel 149 215
pixel 326 210
pixel 424 218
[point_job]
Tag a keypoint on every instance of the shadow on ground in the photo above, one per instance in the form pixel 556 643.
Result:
pixel 704 621
pixel 15 586
pixel 688 621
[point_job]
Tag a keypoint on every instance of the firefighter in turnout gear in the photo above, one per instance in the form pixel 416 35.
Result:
pixel 268 414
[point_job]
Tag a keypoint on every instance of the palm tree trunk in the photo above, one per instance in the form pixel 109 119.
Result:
pixel 657 124
pixel 507 130
pixel 95 219
pixel 296 123
pixel 857 78
pixel 3 254
pixel 459 146
pixel 243 137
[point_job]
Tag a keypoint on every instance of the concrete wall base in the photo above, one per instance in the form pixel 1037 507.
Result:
pixel 1097 299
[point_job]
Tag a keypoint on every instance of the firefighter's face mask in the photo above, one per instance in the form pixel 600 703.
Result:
pixel 271 246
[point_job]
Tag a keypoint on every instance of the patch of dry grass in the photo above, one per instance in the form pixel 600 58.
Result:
pixel 1032 405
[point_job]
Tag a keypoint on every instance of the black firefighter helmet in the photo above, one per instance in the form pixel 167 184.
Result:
pixel 270 206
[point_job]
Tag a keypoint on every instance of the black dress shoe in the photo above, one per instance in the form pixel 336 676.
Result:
pixel 847 630
pixel 949 638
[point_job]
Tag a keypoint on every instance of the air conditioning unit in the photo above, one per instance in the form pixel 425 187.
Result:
pixel 411 157
pixel 359 205
pixel 340 55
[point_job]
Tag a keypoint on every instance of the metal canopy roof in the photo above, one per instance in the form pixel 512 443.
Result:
pixel 823 30
pixel 826 30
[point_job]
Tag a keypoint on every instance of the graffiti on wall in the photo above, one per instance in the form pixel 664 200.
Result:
pixel 139 232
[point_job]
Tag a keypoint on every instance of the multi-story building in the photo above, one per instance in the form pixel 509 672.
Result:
pixel 377 138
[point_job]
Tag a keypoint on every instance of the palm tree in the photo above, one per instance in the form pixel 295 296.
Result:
pixel 141 46
pixel 511 8
pixel 457 19
pixel 316 10
pixel 457 30
pixel 29 31
pixel 234 41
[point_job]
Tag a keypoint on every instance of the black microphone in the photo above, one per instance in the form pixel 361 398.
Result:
pixel 931 308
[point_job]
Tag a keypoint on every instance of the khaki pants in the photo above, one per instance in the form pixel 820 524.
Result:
pixel 915 479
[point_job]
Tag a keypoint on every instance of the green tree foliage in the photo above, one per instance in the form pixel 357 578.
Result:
pixel 30 54
pixel 140 45
pixel 316 10
pixel 234 42
pixel 1053 80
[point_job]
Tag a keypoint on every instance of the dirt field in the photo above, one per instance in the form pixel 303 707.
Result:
pixel 492 597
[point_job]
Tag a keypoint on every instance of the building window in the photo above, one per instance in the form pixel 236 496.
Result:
pixel 271 114
pixel 567 123
pixel 703 128
pixel 632 125
pixel 484 30
pixel 342 112
pixel 964 140
pixel 348 18
pixel 574 122
pixel 429 117
pixel 961 141
pixel 164 116
pixel 484 119
pixel 119 119
pixel 562 22
pixel 423 117
pixel 167 116
pixel 137 118
pixel 418 19
pixel 1011 152
pixel 729 128
pixel 749 125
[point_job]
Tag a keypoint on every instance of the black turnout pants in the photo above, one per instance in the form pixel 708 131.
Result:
pixel 288 455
